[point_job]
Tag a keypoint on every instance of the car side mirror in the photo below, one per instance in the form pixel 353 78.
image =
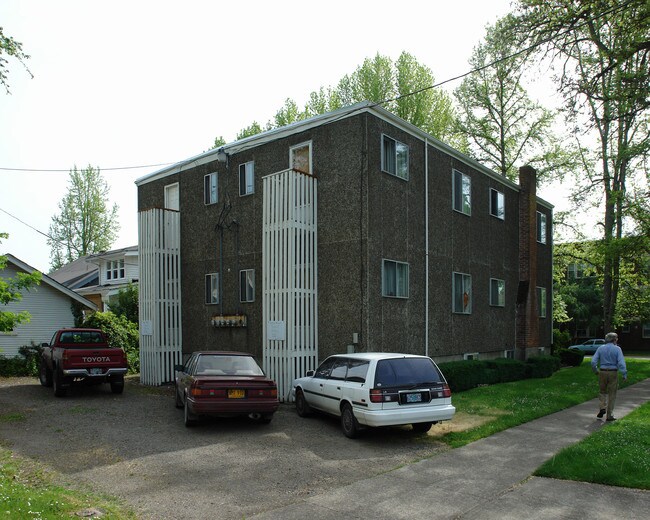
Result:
pixel 310 373
pixel 179 368
pixel 45 345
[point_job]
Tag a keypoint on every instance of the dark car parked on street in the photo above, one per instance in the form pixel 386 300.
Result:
pixel 224 384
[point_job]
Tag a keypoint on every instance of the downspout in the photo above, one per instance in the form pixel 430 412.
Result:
pixel 426 247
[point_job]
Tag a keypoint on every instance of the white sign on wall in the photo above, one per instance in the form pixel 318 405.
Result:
pixel 146 328
pixel 275 330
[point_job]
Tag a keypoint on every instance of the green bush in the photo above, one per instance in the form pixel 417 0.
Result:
pixel 561 338
pixel 121 333
pixel 508 369
pixel 542 366
pixel 21 366
pixel 570 358
pixel 463 375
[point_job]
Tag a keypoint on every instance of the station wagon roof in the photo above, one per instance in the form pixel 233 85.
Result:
pixel 370 356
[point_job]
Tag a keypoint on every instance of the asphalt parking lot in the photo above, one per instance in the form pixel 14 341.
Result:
pixel 135 446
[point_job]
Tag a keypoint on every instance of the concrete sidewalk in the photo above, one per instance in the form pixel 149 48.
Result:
pixel 489 479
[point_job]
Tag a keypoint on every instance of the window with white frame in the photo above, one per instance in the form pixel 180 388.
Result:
pixel 300 158
pixel 210 189
pixel 497 292
pixel 541 301
pixel 645 331
pixel 115 270
pixel 469 356
pixel 509 354
pixel 394 157
pixel 172 198
pixel 462 192
pixel 246 179
pixel 462 293
pixel 541 228
pixel 395 279
pixel 497 204
pixel 247 285
pixel 212 288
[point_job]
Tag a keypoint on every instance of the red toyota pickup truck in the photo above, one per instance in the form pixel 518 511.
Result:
pixel 81 355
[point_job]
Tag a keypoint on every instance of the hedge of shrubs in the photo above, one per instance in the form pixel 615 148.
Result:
pixel 21 366
pixel 570 358
pixel 464 375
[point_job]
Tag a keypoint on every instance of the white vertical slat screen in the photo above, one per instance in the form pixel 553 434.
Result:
pixel 289 276
pixel 160 295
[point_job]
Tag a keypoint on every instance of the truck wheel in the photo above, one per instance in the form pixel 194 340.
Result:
pixel 117 386
pixel 44 374
pixel 57 381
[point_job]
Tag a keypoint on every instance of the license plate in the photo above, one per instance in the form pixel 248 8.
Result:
pixel 96 371
pixel 414 398
pixel 235 393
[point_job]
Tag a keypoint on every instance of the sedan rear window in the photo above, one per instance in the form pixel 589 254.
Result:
pixel 406 372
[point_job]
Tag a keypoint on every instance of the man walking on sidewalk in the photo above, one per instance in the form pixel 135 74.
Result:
pixel 611 360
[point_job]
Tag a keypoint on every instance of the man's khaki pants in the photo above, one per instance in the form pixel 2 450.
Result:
pixel 608 382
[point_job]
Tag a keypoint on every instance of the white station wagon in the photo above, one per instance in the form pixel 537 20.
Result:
pixel 376 389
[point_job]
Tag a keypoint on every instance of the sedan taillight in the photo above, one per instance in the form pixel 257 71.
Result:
pixel 263 392
pixel 199 391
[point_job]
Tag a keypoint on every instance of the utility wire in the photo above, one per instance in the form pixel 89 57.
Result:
pixel 99 168
pixel 385 101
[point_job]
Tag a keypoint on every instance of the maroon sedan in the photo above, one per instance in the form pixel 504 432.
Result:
pixel 224 384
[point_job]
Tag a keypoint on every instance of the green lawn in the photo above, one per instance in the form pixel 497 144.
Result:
pixel 26 492
pixel 618 455
pixel 511 404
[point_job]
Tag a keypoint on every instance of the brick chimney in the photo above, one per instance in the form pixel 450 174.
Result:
pixel 527 321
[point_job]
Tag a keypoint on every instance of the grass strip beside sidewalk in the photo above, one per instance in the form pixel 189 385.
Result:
pixel 506 405
pixel 617 455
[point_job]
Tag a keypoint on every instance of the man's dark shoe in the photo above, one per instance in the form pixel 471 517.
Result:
pixel 610 419
pixel 601 413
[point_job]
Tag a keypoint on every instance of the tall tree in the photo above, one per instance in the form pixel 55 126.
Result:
pixel 85 224
pixel 603 49
pixel 504 126
pixel 403 87
pixel 11 289
pixel 13 49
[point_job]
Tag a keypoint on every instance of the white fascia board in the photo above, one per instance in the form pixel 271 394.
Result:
pixel 255 140
pixel 51 282
pixel 323 119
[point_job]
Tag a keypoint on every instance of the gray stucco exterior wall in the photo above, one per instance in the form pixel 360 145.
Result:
pixel 364 216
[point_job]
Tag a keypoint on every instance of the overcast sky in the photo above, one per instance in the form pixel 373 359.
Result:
pixel 126 83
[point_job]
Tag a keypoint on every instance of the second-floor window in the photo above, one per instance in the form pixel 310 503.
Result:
pixel 247 285
pixel 246 179
pixel 497 292
pixel 394 157
pixel 115 270
pixel 497 204
pixel 462 192
pixel 541 228
pixel 541 301
pixel 395 279
pixel 210 189
pixel 212 288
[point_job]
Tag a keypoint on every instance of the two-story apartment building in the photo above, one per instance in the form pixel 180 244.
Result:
pixel 353 230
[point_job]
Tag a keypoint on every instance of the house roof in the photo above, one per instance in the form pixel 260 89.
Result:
pixel 51 282
pixel 320 120
pixel 76 274
pixel 113 253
